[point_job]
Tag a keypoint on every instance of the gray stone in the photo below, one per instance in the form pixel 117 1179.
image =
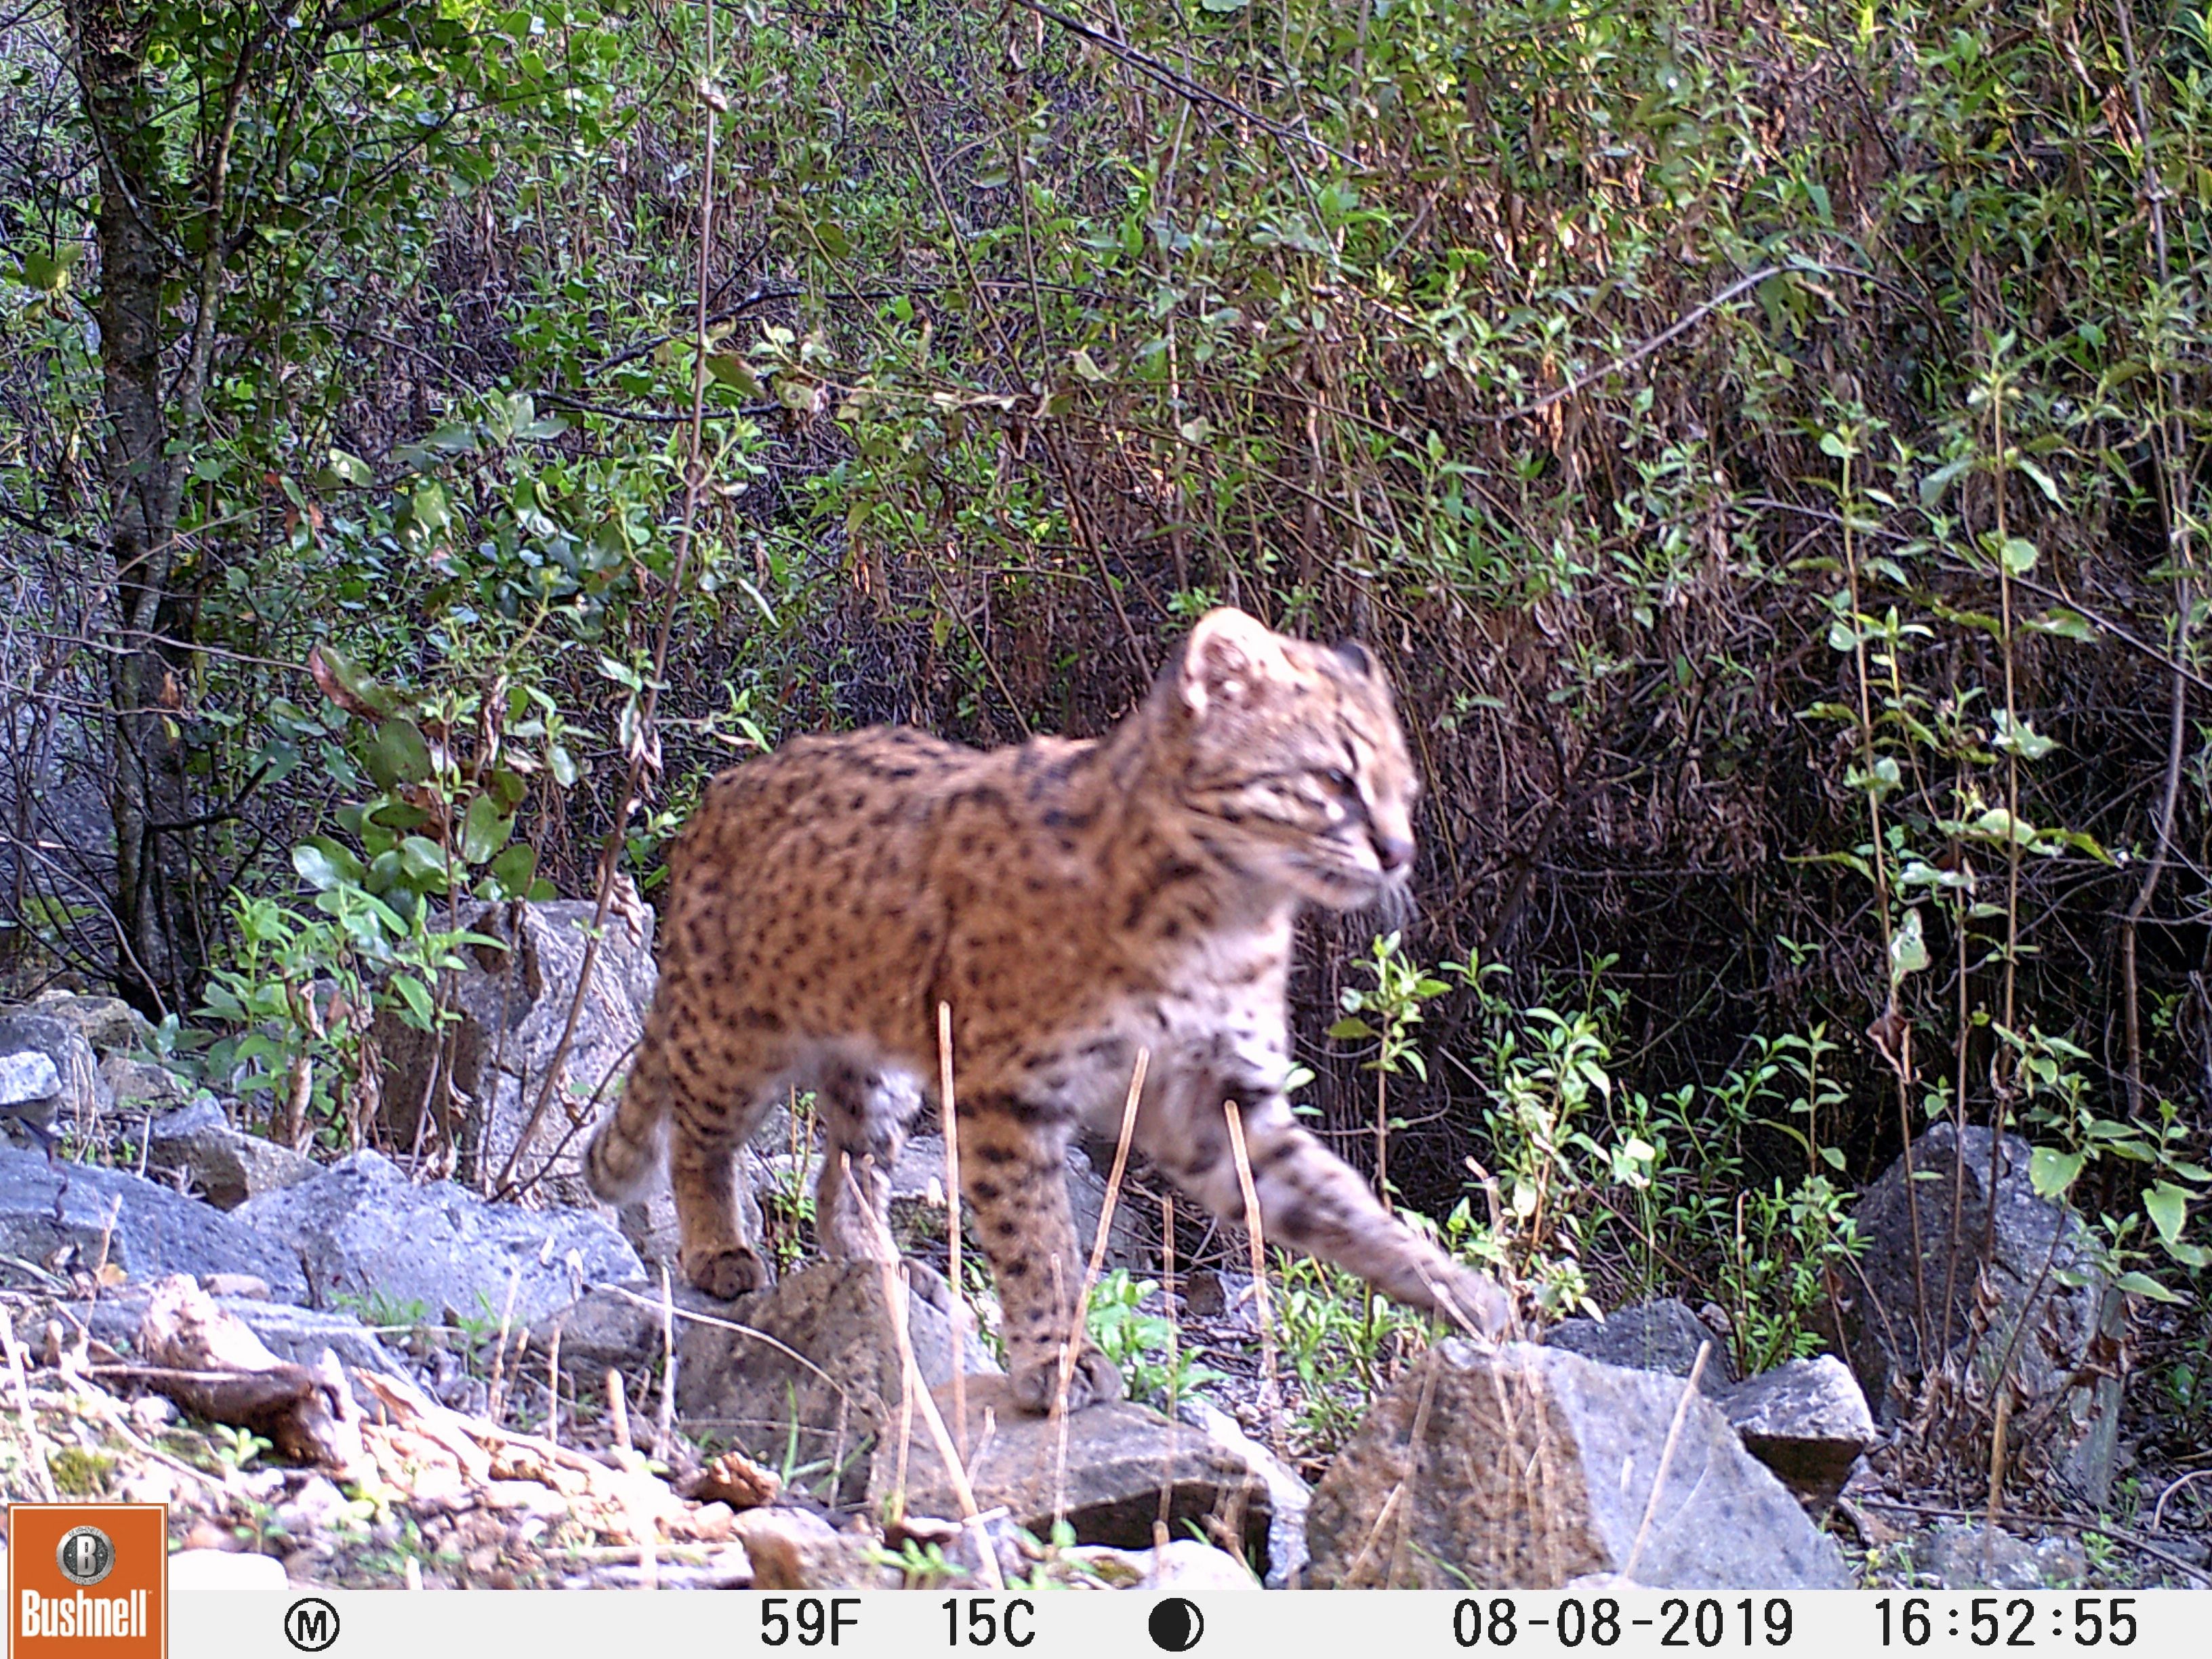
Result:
pixel 360 1228
pixel 82 1096
pixel 27 1078
pixel 1807 1421
pixel 1650 1336
pixel 1952 1556
pixel 226 1166
pixel 2067 1366
pixel 1288 1497
pixel 294 1334
pixel 139 1086
pixel 110 1024
pixel 1230 1299
pixel 809 1372
pixel 1528 1467
pixel 58 1214
pixel 512 1006
pixel 1182 1564
pixel 1102 1468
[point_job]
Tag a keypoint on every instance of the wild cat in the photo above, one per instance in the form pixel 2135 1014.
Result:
pixel 1074 903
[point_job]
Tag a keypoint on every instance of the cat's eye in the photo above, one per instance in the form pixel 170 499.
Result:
pixel 1341 781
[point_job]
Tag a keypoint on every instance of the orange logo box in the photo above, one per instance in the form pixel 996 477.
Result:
pixel 87 1581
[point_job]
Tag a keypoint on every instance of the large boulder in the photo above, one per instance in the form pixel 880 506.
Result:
pixel 109 1025
pixel 361 1228
pixel 2066 1365
pixel 1806 1421
pixel 1105 1470
pixel 31 1035
pixel 807 1374
pixel 59 1217
pixel 196 1147
pixel 1663 1335
pixel 1528 1467
pixel 512 1005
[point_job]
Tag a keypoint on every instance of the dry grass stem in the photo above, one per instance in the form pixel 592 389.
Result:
pixel 617 1410
pixel 1078 1322
pixel 496 1395
pixel 35 1442
pixel 553 1386
pixel 664 1436
pixel 1667 1457
pixel 1271 1393
pixel 952 1225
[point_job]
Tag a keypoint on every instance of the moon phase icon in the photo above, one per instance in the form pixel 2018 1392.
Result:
pixel 1175 1623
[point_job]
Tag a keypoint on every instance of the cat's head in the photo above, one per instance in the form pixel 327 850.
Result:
pixel 1293 754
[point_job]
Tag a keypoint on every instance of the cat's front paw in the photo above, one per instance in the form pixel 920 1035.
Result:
pixel 728 1274
pixel 1093 1380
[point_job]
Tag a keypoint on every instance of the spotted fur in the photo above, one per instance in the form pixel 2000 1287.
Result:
pixel 1073 904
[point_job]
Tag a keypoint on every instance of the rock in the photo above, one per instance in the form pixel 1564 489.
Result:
pixel 244 1285
pixel 82 1096
pixel 917 1197
pixel 1229 1298
pixel 1183 1564
pixel 1288 1496
pixel 110 1024
pixel 1807 1421
pixel 613 1329
pixel 360 1228
pixel 224 1165
pixel 2068 1368
pixel 299 1335
pixel 1528 1467
pixel 797 1550
pixel 1651 1336
pixel 1106 1481
pixel 315 1508
pixel 1962 1557
pixel 813 1376
pixel 138 1086
pixel 512 1005
pixel 191 1570
pixel 56 1215
pixel 27 1079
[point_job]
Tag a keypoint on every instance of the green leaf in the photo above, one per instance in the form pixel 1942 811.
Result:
pixel 49 274
pixel 418 999
pixel 2051 1172
pixel 1908 949
pixel 350 469
pixel 483 830
pixel 1346 1029
pixel 733 371
pixel 2144 1285
pixel 2017 556
pixel 515 869
pixel 398 756
pixel 2167 1206
pixel 323 864
pixel 422 862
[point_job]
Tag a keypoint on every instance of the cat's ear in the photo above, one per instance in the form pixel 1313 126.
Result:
pixel 1357 657
pixel 1227 656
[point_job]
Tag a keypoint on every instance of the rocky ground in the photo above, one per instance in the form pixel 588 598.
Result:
pixel 340 1371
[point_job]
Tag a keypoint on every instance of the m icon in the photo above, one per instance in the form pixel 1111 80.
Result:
pixel 311 1624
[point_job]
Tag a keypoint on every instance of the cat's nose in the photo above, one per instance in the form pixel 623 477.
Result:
pixel 1394 855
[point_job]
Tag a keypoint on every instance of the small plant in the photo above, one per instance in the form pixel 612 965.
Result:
pixel 1142 1345
pixel 236 1449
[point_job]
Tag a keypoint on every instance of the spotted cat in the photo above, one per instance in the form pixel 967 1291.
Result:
pixel 1074 903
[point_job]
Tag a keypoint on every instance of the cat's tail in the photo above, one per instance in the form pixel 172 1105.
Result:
pixel 625 1150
